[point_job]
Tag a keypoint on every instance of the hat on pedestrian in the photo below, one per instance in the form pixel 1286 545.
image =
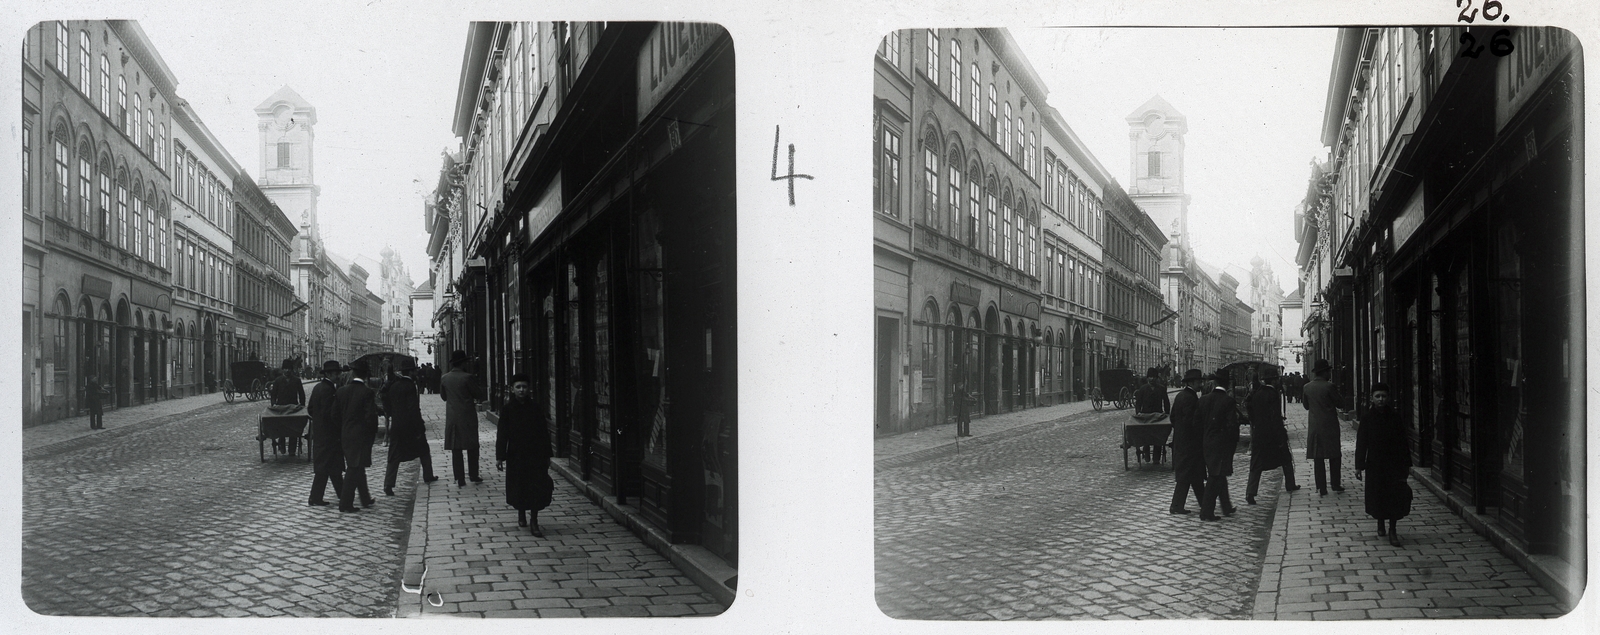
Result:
pixel 1192 374
pixel 1380 387
pixel 1321 366
pixel 287 364
pixel 1152 372
pixel 359 367
pixel 332 366
pixel 406 365
pixel 458 358
pixel 522 377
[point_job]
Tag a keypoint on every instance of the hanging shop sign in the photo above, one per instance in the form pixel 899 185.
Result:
pixel 1409 219
pixel 1018 304
pixel 97 287
pixel 1539 50
pixel 152 296
pixel 964 293
pixel 544 211
pixel 667 55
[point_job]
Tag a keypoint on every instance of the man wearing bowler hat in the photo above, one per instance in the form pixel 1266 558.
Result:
pixel 327 453
pixel 408 437
pixel 1322 426
pixel 460 393
pixel 358 416
pixel 1188 443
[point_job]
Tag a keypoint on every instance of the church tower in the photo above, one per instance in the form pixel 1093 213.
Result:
pixel 1155 156
pixel 286 124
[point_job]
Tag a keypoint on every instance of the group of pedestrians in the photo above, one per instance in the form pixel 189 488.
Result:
pixel 1205 433
pixel 344 426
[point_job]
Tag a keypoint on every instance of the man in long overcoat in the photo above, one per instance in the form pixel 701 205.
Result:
pixel 1269 440
pixel 1188 449
pixel 408 436
pixel 327 452
pixel 1384 451
pixel 460 391
pixel 357 406
pixel 1322 426
pixel 1221 417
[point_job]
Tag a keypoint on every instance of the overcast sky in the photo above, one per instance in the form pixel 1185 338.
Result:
pixel 1253 99
pixel 384 92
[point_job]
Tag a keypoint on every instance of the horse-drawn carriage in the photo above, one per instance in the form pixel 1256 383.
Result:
pixel 249 379
pixel 1116 388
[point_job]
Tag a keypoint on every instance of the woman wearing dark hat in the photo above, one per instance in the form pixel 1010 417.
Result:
pixel 1384 452
pixel 522 449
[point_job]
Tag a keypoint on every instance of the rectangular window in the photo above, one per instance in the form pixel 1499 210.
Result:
pixel 102 215
pixel 161 247
pixel 991 246
pixel 890 48
pixel 993 123
pixel 133 116
pixel 150 236
pixel 954 228
pixel 955 73
pixel 1032 163
pixel 85 200
pixel 61 47
pixel 972 211
pixel 105 86
pixel 891 173
pixel 1005 136
pixel 122 216
pixel 27 167
pixel 975 100
pixel 933 56
pixel 63 181
pixel 1005 236
pixel 122 104
pixel 138 228
pixel 1153 164
pixel 83 65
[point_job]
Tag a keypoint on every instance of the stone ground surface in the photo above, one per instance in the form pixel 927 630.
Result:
pixel 176 515
pixel 170 512
pixel 1040 521
pixel 1327 562
pixel 481 564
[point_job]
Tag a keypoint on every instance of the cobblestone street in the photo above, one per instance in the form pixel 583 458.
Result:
pixel 1047 525
pixel 177 516
pixel 170 512
pixel 1040 521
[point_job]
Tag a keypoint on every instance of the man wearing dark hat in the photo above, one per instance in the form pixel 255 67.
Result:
pixel 1151 405
pixel 286 391
pixel 408 436
pixel 358 416
pixel 1221 416
pixel 1188 444
pixel 327 452
pixel 461 392
pixel 1322 426
pixel 1269 440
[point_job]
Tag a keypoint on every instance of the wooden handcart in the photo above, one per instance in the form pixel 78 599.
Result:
pixel 286 431
pixel 1146 435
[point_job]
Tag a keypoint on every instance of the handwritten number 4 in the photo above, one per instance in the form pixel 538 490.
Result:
pixel 791 176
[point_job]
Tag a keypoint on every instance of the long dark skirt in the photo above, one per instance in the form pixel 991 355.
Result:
pixel 528 483
pixel 1388 495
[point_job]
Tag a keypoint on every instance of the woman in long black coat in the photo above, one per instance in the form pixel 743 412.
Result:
pixel 1384 451
pixel 522 449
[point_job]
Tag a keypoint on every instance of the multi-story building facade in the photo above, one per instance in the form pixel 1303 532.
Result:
pixel 1266 323
pixel 421 336
pixel 286 127
pixel 1207 325
pixel 265 300
pixel 1442 252
pixel 1156 167
pixel 585 235
pixel 1072 193
pixel 395 289
pixel 1134 304
pixel 1235 317
pixel 1291 349
pixel 202 225
pixel 366 314
pixel 338 290
pixel 96 203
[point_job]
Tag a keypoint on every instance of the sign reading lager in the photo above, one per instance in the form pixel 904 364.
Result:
pixel 668 54
pixel 1539 50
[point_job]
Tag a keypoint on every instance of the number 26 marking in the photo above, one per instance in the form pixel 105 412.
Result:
pixel 1492 10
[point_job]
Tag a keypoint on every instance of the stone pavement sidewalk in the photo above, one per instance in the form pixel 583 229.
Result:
pixel 38 438
pixel 467 557
pixel 1325 560
pixel 939 440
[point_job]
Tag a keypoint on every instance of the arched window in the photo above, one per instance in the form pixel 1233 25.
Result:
pixel 105 86
pixel 133 116
pixel 991 126
pixel 63 174
pixel 974 180
pixel 955 73
pixel 976 100
pixel 1018 151
pixel 122 212
pixel 991 203
pixel 953 228
pixel 1006 255
pixel 85 187
pixel 1032 163
pixel 149 143
pixel 930 183
pixel 83 62
pixel 930 339
pixel 102 212
pixel 1005 137
pixel 138 226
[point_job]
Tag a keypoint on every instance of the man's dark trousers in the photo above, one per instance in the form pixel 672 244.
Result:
pixel 1322 475
pixel 320 484
pixel 355 480
pixel 393 471
pixel 455 463
pixel 1194 480
pixel 1216 487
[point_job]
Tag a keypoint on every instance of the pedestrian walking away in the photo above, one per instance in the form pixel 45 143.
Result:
pixel 357 406
pixel 1322 427
pixel 327 450
pixel 408 435
pixel 1383 451
pixel 1221 416
pixel 522 451
pixel 92 391
pixel 1269 439
pixel 461 393
pixel 1188 444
